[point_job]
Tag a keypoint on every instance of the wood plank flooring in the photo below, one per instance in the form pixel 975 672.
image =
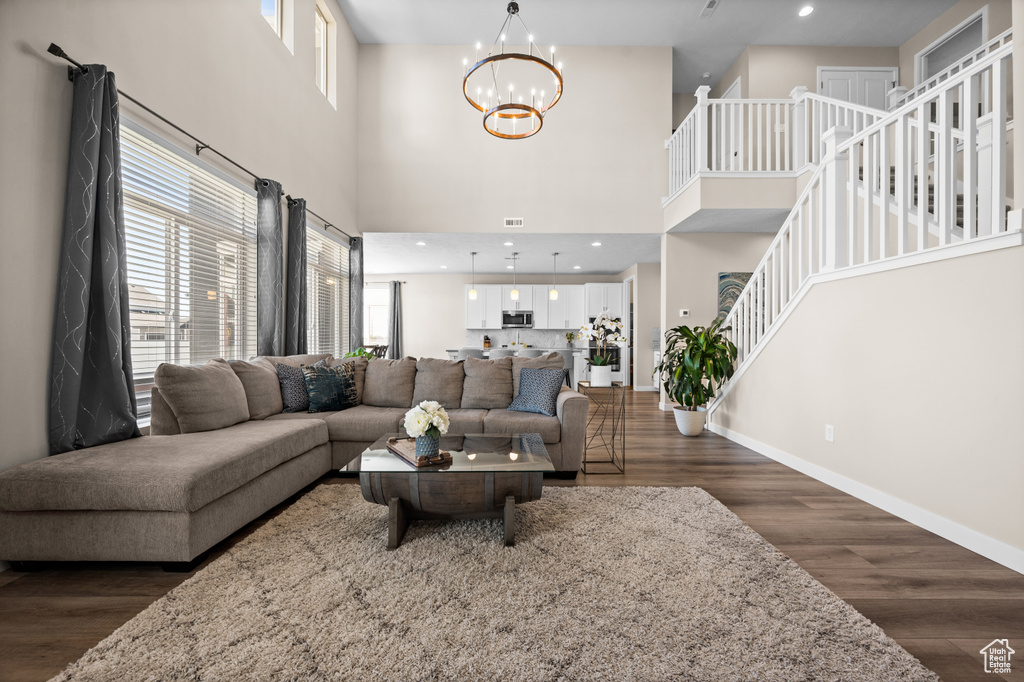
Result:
pixel 939 601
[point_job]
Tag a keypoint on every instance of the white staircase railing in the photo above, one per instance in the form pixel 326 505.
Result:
pixel 889 190
pixel 732 137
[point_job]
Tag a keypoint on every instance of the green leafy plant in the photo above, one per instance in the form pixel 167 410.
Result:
pixel 696 363
pixel 359 353
pixel 570 337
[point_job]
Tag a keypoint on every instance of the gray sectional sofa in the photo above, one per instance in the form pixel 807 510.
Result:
pixel 171 495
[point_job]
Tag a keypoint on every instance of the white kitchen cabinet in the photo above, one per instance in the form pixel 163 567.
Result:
pixel 485 311
pixel 576 308
pixel 540 308
pixel 557 317
pixel 525 301
pixel 604 298
pixel 566 312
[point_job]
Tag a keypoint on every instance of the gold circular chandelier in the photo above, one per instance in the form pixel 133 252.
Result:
pixel 490 84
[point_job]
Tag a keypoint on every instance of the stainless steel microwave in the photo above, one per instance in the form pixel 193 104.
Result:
pixel 517 319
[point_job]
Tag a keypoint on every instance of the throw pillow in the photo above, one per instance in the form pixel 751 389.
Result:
pixel 549 361
pixel 293 386
pixel 488 384
pixel 360 364
pixel 202 397
pixel 538 391
pixel 439 380
pixel 330 388
pixel 262 388
pixel 389 383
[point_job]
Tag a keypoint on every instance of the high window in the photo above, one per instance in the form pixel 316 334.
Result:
pixel 271 10
pixel 190 233
pixel 326 293
pixel 320 46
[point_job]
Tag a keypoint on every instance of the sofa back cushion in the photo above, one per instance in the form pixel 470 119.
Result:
pixel 294 360
pixel 488 384
pixel 549 361
pixel 262 389
pixel 161 418
pixel 439 380
pixel 203 397
pixel 389 383
pixel 360 366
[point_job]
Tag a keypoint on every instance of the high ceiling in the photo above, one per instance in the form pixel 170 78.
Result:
pixel 699 45
pixel 389 253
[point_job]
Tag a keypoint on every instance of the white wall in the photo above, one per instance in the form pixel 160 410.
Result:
pixel 647 312
pixel 599 164
pixel 920 371
pixel 216 69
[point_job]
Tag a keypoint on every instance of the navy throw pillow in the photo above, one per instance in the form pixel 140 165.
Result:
pixel 331 388
pixel 293 387
pixel 538 391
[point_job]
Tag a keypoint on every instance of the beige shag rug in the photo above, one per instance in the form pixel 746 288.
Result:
pixel 603 583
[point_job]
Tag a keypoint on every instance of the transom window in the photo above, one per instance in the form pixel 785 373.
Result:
pixel 271 10
pixel 320 48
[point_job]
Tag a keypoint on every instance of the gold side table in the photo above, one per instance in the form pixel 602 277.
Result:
pixel 606 427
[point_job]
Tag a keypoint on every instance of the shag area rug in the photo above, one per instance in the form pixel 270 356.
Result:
pixel 603 583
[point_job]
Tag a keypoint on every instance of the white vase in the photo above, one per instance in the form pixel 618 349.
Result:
pixel 600 376
pixel 690 423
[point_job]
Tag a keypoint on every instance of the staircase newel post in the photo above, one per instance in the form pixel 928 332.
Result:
pixel 836 194
pixel 703 131
pixel 894 96
pixel 799 131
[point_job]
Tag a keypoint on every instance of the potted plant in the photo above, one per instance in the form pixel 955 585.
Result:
pixel 427 422
pixel 695 364
pixel 604 330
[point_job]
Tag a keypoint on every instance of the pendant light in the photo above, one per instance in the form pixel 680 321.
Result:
pixel 514 294
pixel 553 294
pixel 472 289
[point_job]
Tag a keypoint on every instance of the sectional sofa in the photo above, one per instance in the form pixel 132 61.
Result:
pixel 221 452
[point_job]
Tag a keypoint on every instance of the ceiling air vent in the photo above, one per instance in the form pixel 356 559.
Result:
pixel 709 8
pixel 513 223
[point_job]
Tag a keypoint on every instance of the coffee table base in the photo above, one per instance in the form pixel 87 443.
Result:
pixel 399 516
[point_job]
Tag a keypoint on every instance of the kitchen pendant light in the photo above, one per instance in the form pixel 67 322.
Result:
pixel 514 294
pixel 553 294
pixel 472 288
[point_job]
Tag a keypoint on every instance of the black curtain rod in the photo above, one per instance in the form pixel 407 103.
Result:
pixel 56 51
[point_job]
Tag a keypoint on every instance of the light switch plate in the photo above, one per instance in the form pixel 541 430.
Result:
pixel 684 312
pixel 830 433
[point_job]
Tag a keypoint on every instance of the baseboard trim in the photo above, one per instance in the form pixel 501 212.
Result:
pixel 989 547
pixel 652 389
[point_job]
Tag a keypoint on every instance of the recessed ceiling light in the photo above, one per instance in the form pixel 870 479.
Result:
pixel 804 11
pixel 596 244
pixel 575 267
pixel 509 244
pixel 421 243
pixel 444 267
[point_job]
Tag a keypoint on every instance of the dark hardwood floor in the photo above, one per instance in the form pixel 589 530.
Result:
pixel 938 600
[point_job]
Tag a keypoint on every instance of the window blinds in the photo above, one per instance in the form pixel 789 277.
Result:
pixel 191 250
pixel 326 292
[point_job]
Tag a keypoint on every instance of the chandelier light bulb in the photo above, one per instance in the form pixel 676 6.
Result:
pixel 478 45
pixel 530 38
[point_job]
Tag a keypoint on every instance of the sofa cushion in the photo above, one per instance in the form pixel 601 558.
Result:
pixel 364 422
pixel 389 383
pixel 293 386
pixel 300 415
pixel 549 361
pixel 538 391
pixel 439 380
pixel 181 473
pixel 294 360
pixel 462 421
pixel 360 364
pixel 488 383
pixel 202 397
pixel 330 388
pixel 506 423
pixel 262 389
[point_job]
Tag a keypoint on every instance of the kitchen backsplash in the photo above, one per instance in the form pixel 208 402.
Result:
pixel 538 338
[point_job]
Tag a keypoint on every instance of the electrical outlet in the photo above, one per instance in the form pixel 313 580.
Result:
pixel 684 312
pixel 830 433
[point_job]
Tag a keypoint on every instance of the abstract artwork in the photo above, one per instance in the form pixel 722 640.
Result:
pixel 730 286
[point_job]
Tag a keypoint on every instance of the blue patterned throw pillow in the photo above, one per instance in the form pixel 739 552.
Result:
pixel 331 388
pixel 538 391
pixel 293 387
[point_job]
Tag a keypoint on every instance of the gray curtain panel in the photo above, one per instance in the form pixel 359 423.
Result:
pixel 92 391
pixel 355 293
pixel 295 303
pixel 269 267
pixel 395 320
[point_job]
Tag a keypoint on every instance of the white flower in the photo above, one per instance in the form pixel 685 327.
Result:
pixel 427 414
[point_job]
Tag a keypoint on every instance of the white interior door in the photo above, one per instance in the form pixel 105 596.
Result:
pixel 864 86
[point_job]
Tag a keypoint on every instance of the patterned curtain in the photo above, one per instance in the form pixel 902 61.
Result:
pixel 269 267
pixel 92 391
pixel 395 320
pixel 355 293
pixel 295 303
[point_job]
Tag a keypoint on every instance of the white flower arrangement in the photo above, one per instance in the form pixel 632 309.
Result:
pixel 427 419
pixel 605 330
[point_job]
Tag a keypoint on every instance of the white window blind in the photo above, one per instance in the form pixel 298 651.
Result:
pixel 326 292
pixel 191 251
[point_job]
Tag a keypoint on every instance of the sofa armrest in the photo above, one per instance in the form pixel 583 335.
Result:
pixel 571 410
